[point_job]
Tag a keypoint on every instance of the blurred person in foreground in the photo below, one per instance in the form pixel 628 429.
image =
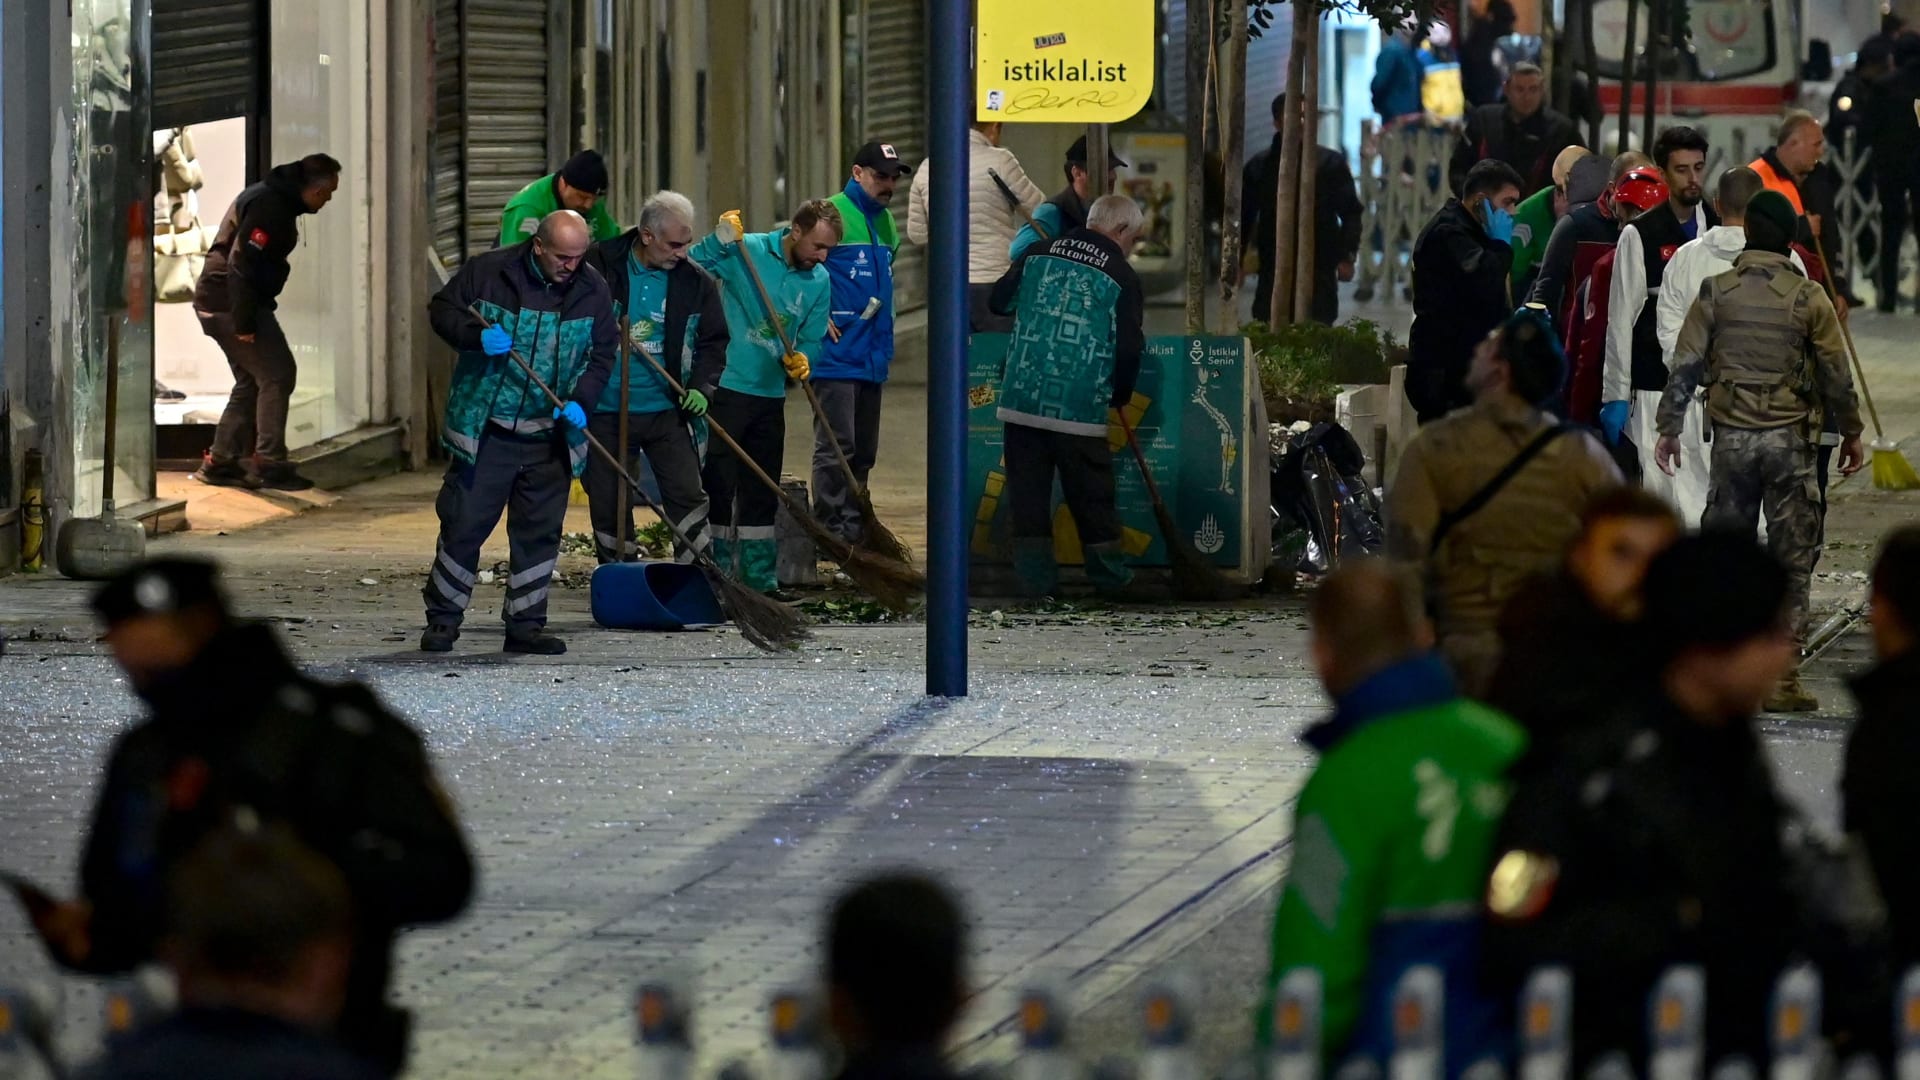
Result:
pixel 1568 640
pixel 896 977
pixel 1881 776
pixel 1374 888
pixel 259 940
pixel 1654 836
pixel 1492 495
pixel 238 731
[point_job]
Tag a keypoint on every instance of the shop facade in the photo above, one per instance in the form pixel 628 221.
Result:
pixel 145 119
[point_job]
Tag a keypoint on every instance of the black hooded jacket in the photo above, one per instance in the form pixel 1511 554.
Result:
pixel 247 267
pixel 1460 294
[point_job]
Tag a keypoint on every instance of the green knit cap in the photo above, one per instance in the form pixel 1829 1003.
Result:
pixel 1771 223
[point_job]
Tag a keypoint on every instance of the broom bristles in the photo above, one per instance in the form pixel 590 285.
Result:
pixel 876 537
pixel 765 623
pixel 1891 469
pixel 887 580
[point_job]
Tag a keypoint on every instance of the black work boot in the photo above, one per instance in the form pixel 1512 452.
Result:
pixel 280 476
pixel 536 642
pixel 439 637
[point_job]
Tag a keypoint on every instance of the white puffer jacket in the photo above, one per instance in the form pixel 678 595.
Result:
pixel 991 223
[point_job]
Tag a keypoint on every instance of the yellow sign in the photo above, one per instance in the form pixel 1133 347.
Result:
pixel 1064 61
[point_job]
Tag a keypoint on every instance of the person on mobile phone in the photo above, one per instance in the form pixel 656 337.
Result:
pixel 1461 262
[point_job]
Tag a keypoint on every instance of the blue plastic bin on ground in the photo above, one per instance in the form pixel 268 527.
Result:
pixel 653 595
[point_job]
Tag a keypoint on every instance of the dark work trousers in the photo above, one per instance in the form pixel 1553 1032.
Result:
pixel 980 317
pixel 853 408
pixel 668 445
pixel 742 507
pixel 255 422
pixel 527 477
pixel 1899 211
pixel 1085 467
pixel 1326 297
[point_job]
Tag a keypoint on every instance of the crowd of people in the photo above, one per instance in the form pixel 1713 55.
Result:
pixel 1605 805
pixel 1692 325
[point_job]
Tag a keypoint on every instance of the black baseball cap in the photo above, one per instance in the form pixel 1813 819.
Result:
pixel 1077 155
pixel 159 587
pixel 882 158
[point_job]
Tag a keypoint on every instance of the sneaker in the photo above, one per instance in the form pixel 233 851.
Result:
pixel 1791 696
pixel 535 643
pixel 439 638
pixel 163 392
pixel 216 474
pixel 283 478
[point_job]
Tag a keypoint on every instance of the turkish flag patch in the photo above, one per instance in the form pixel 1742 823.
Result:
pixel 1667 250
pixel 258 239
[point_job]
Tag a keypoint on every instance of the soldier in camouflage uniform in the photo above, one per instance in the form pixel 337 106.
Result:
pixel 1765 343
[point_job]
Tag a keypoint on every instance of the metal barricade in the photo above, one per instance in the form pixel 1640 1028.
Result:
pixel 1403 183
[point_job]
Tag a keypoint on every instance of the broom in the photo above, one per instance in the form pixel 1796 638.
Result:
pixel 888 581
pixel 1891 470
pixel 765 623
pixel 873 532
pixel 1194 578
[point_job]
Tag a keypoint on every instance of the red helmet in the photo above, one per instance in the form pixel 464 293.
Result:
pixel 1643 188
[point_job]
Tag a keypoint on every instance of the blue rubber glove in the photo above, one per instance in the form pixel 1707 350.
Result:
pixel 572 413
pixel 1499 224
pixel 495 341
pixel 1613 421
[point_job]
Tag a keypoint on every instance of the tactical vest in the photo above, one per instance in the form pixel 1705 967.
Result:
pixel 1759 371
pixel 1660 237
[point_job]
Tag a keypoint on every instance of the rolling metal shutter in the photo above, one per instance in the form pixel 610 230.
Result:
pixel 893 108
pixel 448 153
pixel 505 50
pixel 208 58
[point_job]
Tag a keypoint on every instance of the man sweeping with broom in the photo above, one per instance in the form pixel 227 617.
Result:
pixel 513 448
pixel 751 400
pixel 1766 343
pixel 1075 354
pixel 673 309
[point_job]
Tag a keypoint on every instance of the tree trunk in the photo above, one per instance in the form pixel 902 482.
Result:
pixel 1286 203
pixel 1626 78
pixel 1233 96
pixel 1305 254
pixel 1199 36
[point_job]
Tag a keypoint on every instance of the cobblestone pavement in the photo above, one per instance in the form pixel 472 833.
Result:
pixel 694 816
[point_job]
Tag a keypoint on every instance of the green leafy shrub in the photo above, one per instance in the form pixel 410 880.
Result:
pixel 1303 366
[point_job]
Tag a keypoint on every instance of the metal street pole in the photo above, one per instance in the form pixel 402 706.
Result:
pixel 948 24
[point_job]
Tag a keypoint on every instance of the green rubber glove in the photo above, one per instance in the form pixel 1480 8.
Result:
pixel 694 403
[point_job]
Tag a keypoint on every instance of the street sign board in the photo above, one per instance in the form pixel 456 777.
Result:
pixel 1063 61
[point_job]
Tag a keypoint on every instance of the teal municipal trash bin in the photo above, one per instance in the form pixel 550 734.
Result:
pixel 653 595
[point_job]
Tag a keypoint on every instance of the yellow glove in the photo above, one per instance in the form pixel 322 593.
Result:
pixel 797 366
pixel 730 229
